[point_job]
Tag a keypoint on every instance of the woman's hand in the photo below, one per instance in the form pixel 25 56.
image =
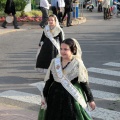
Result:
pixel 43 103
pixel 92 105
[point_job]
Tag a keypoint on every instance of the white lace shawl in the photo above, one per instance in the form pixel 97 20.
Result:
pixel 78 70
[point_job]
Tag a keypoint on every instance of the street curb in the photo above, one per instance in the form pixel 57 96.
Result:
pixel 79 20
pixel 75 21
pixel 4 31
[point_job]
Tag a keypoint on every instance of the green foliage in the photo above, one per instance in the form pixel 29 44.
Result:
pixel 33 13
pixel 36 13
pixel 2 5
pixel 2 14
pixel 19 4
pixel 18 13
pixel 33 4
pixel 33 1
pixel 28 14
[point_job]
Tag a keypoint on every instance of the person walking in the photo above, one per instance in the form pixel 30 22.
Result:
pixel 54 6
pixel 106 9
pixel 100 5
pixel 68 12
pixel 11 11
pixel 66 91
pixel 114 8
pixel 44 7
pixel 50 42
pixel 60 7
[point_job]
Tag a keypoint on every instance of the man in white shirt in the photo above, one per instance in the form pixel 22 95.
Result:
pixel 106 8
pixel 44 7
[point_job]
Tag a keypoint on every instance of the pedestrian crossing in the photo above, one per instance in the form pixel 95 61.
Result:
pixel 104 71
pixel 113 64
pixel 105 114
pixel 106 95
pixel 21 96
pixel 102 113
pixel 106 82
pixel 99 112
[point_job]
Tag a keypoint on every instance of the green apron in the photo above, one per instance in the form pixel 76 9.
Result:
pixel 41 115
pixel 81 114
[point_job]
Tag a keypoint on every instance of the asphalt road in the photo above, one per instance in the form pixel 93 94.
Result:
pixel 100 43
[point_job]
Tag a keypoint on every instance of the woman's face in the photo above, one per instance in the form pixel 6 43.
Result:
pixel 52 21
pixel 65 51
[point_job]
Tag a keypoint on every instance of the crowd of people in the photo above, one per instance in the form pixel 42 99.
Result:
pixel 63 10
pixel 60 8
pixel 108 7
pixel 66 94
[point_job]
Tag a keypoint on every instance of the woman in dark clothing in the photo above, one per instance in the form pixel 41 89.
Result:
pixel 68 10
pixel 10 10
pixel 66 90
pixel 50 44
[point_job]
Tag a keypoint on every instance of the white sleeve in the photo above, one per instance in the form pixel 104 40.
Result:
pixel 46 3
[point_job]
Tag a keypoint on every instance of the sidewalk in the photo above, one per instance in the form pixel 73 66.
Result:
pixel 28 25
pixel 8 30
pixel 9 112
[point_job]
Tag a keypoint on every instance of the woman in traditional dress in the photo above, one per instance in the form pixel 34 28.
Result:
pixel 50 42
pixel 66 91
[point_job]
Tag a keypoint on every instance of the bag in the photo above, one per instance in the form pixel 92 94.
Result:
pixel 41 115
pixel 9 19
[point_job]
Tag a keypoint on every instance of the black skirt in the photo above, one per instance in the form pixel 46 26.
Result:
pixel 48 51
pixel 60 104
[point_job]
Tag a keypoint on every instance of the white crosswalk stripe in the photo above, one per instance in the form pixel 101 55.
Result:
pixel 112 64
pixel 105 114
pixel 104 82
pixel 104 71
pixel 102 113
pixel 106 95
pixel 21 96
